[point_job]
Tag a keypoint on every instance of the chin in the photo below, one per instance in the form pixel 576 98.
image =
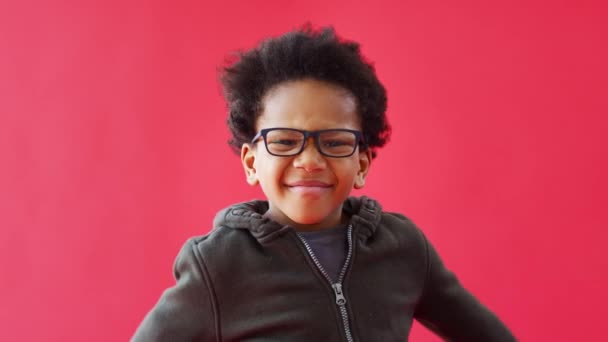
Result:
pixel 318 217
pixel 306 220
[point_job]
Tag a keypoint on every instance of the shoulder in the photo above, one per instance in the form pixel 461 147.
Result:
pixel 373 222
pixel 218 241
pixel 394 232
pixel 401 226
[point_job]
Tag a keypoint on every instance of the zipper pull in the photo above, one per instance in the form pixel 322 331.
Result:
pixel 340 299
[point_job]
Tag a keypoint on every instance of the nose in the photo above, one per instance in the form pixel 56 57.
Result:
pixel 310 159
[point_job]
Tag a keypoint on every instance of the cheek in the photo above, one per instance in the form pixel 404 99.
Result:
pixel 347 169
pixel 271 170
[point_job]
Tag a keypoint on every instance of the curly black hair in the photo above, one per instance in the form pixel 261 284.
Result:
pixel 299 54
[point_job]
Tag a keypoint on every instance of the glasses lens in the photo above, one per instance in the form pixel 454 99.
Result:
pixel 338 143
pixel 284 141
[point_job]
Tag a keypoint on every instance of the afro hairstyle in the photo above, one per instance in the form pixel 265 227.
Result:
pixel 304 53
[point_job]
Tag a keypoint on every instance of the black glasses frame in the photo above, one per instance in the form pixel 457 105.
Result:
pixel 316 137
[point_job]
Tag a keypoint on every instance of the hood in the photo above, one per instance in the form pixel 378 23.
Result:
pixel 365 215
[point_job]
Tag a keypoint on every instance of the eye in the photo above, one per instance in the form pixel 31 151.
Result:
pixel 336 143
pixel 286 142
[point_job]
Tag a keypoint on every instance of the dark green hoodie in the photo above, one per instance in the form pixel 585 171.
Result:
pixel 252 279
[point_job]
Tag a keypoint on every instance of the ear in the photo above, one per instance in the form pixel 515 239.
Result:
pixel 365 161
pixel 248 160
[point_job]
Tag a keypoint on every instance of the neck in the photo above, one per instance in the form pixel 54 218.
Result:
pixel 326 223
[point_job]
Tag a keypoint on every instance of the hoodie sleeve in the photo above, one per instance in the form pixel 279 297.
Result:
pixel 451 311
pixel 184 312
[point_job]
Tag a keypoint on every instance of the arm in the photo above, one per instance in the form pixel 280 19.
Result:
pixel 186 311
pixel 451 311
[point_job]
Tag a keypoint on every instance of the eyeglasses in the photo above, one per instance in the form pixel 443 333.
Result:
pixel 335 143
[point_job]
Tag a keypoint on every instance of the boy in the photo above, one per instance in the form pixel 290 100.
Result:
pixel 307 114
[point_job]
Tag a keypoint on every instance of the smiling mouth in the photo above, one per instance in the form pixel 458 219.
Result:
pixel 309 184
pixel 309 187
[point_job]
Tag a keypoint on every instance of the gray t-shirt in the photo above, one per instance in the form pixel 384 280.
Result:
pixel 329 247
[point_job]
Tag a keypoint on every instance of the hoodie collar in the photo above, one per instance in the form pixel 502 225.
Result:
pixel 365 216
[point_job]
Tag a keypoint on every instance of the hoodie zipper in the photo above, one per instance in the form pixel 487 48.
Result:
pixel 337 287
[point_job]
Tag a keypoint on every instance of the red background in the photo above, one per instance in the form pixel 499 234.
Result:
pixel 112 150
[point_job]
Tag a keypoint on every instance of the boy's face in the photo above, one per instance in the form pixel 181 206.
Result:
pixel 306 190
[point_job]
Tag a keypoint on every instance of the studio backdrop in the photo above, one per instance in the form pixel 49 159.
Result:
pixel 113 150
